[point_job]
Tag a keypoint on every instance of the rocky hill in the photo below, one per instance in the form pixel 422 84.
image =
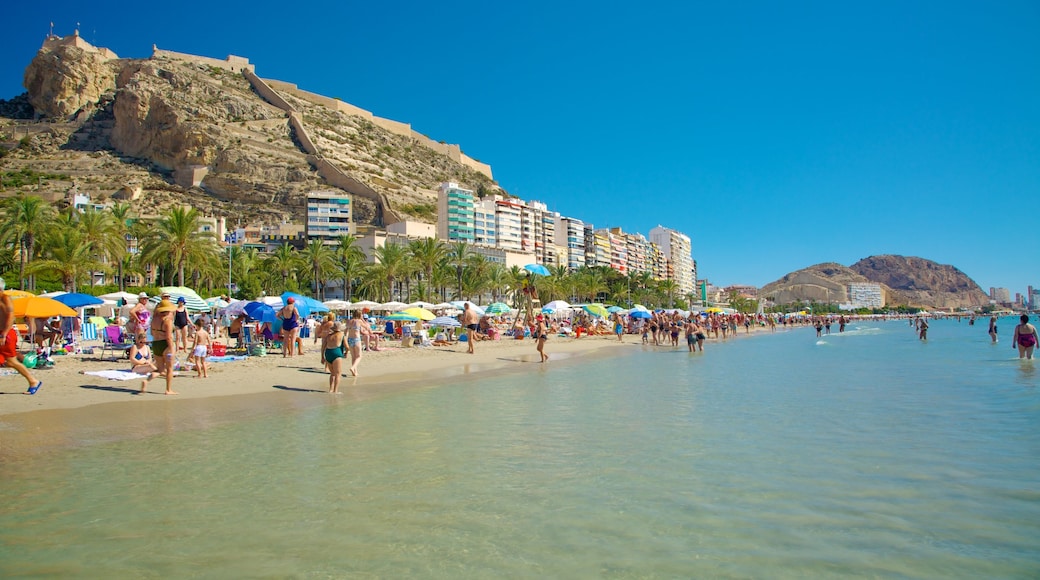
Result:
pixel 903 280
pixel 164 131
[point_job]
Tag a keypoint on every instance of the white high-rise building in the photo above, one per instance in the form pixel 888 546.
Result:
pixel 455 219
pixel 328 216
pixel 677 249
pixel 570 234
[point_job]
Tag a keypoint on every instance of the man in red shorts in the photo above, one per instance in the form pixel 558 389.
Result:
pixel 9 341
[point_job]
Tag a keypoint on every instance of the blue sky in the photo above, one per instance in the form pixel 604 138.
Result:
pixel 775 135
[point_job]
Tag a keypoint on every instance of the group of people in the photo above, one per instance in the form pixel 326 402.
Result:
pixel 168 327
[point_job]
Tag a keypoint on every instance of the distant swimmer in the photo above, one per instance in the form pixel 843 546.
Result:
pixel 993 328
pixel 923 329
pixel 1025 338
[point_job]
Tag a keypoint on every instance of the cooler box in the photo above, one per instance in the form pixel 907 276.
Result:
pixel 218 349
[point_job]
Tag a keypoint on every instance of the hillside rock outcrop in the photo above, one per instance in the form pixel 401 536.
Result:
pixel 827 282
pixel 63 80
pixel 921 282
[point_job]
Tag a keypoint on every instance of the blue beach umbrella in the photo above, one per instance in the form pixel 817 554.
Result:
pixel 614 309
pixel 77 300
pixel 260 311
pixel 305 304
pixel 639 314
pixel 537 269
pixel 445 321
pixel 496 308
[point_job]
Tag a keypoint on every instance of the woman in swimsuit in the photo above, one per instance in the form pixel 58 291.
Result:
pixel 1025 338
pixel 354 335
pixel 141 359
pixel 290 326
pixel 333 352
pixel 542 334
pixel 180 323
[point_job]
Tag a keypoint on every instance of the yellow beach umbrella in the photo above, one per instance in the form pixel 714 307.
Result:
pixel 18 294
pixel 420 313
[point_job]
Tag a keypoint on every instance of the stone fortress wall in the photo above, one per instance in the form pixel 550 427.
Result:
pixel 451 151
pixel 232 63
pixel 54 41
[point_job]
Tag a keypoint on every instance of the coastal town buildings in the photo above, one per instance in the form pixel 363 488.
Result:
pixel 455 214
pixel 328 216
pixel 1000 295
pixel 866 295
pixel 677 249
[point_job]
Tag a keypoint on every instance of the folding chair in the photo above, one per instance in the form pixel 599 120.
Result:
pixel 111 339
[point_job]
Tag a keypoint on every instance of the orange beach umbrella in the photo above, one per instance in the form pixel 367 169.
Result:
pixel 40 307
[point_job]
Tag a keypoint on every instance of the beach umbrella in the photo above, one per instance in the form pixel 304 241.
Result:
pixel 337 304
pixel 235 308
pixel 260 311
pixel 217 302
pixel 421 304
pixel 596 310
pixel 18 294
pixel 461 305
pixel 420 313
pixel 392 306
pixel 192 301
pixel 78 300
pixel 614 309
pixel 363 304
pixel 558 305
pixel 445 321
pixel 442 306
pixel 537 269
pixel 126 297
pixel 310 304
pixel 640 307
pixel 40 307
pixel 401 316
pixel 496 308
pixel 272 301
pixel 639 314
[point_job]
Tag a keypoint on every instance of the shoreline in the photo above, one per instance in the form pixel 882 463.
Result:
pixel 75 410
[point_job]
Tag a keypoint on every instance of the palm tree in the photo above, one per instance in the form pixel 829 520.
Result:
pixel 319 258
pixel 98 234
pixel 65 254
pixel 283 262
pixel 177 240
pixel 27 217
pixel 120 228
pixel 427 253
pixel 350 262
pixel 669 288
pixel 392 263
pixel 459 251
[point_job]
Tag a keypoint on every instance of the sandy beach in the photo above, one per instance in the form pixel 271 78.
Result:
pixel 74 408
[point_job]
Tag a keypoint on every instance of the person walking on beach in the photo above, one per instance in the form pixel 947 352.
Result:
pixel 541 335
pixel 163 345
pixel 1025 338
pixel 355 331
pixel 332 353
pixel 200 349
pixel 9 341
pixel 290 324
pixel 993 328
pixel 469 320
pixel 619 326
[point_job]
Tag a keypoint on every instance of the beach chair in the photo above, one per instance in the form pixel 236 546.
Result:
pixel 88 331
pixel 69 335
pixel 111 340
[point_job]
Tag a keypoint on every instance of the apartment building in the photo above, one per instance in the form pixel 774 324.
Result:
pixel 455 213
pixel 570 234
pixel 676 248
pixel 328 216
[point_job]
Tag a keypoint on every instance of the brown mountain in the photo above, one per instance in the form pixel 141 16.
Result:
pixel 183 129
pixel 903 280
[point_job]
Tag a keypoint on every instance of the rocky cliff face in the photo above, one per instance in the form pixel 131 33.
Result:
pixel 904 281
pixel 922 282
pixel 63 80
pixel 169 117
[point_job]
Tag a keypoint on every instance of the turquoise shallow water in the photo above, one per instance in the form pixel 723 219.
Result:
pixel 863 454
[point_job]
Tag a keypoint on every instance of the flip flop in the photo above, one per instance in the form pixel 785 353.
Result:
pixel 32 390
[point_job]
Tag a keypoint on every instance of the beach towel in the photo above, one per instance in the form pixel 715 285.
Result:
pixel 115 375
pixel 226 358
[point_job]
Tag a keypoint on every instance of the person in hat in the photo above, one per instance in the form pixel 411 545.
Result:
pixel 290 317
pixel 9 341
pixel 541 332
pixel 180 324
pixel 163 345
pixel 140 317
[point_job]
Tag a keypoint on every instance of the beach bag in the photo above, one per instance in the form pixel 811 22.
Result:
pixel 257 350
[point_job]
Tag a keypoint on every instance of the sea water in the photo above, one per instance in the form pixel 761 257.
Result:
pixel 867 453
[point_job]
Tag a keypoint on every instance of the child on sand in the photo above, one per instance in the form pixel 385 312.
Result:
pixel 200 349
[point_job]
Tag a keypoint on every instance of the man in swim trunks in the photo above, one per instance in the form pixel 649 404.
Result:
pixel 9 341
pixel 200 349
pixel 469 320
pixel 163 347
